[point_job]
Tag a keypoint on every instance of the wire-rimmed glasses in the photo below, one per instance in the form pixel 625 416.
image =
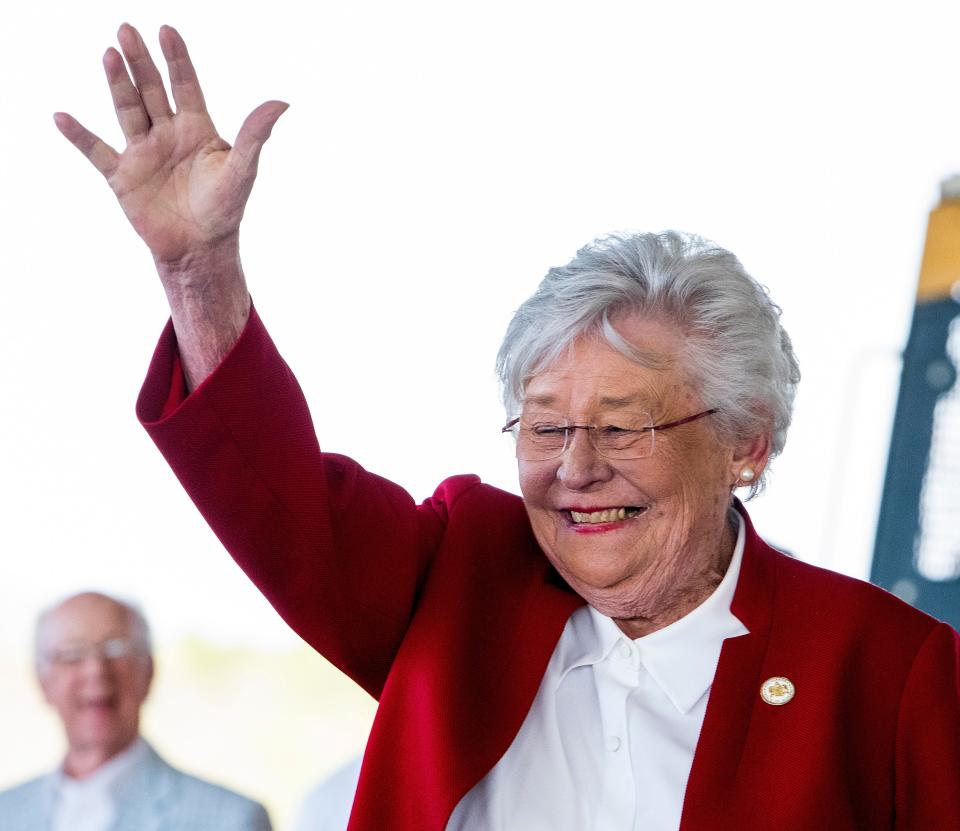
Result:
pixel 621 436
pixel 74 654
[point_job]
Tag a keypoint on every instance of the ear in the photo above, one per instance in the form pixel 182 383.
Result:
pixel 749 460
pixel 46 685
pixel 148 676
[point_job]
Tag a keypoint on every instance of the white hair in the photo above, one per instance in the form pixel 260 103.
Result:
pixel 139 628
pixel 737 354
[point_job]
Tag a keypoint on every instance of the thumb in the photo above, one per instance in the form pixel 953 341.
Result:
pixel 254 132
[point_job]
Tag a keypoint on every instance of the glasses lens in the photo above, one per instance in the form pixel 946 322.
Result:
pixel 70 655
pixel 542 436
pixel 115 648
pixel 624 435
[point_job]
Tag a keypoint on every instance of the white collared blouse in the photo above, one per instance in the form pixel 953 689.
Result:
pixel 609 740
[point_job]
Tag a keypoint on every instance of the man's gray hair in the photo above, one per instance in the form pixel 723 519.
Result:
pixel 737 354
pixel 139 628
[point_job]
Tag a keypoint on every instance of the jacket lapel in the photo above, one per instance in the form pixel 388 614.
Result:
pixel 735 689
pixel 140 806
pixel 527 634
pixel 47 795
pixel 468 671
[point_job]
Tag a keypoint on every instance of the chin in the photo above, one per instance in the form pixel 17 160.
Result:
pixel 104 734
pixel 598 586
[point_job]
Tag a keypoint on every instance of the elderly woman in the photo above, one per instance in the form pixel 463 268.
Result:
pixel 616 650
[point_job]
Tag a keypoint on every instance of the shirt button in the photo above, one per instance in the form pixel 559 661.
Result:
pixel 613 743
pixel 624 650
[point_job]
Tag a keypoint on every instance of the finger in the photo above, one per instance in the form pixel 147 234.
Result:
pixel 254 132
pixel 103 157
pixel 183 77
pixel 131 113
pixel 145 73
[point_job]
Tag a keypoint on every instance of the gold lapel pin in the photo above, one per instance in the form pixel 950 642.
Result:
pixel 777 690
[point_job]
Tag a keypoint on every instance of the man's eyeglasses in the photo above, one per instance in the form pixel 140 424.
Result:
pixel 74 654
pixel 543 436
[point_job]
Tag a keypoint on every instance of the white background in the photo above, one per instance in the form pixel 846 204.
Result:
pixel 437 158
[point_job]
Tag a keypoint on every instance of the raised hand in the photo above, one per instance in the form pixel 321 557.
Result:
pixel 182 187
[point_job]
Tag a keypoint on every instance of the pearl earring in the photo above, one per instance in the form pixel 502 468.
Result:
pixel 747 474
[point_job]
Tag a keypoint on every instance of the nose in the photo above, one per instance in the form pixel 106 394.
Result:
pixel 94 664
pixel 581 466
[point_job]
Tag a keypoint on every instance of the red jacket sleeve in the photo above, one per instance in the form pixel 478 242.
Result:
pixel 928 737
pixel 339 552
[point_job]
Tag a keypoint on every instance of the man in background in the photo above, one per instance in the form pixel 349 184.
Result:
pixel 94 664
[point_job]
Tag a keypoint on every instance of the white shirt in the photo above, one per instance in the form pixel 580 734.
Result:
pixel 90 804
pixel 609 739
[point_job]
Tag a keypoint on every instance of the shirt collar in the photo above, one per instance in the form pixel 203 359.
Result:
pixel 682 657
pixel 106 777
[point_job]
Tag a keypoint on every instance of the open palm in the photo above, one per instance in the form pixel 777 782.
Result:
pixel 181 185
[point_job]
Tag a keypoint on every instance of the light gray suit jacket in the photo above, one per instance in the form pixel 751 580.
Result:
pixel 157 797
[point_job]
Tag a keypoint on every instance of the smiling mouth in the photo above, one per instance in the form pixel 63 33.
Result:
pixel 98 703
pixel 604 516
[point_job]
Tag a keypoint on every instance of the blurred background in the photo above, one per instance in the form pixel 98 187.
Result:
pixel 437 159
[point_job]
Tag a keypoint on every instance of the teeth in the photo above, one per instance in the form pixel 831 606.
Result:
pixel 608 515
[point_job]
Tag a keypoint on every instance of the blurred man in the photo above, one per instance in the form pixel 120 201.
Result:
pixel 94 664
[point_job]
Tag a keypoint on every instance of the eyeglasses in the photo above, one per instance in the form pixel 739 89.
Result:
pixel 73 655
pixel 543 436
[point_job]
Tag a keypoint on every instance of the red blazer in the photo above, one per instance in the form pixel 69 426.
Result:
pixel 447 612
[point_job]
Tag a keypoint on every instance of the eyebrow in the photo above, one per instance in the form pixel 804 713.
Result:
pixel 540 400
pixel 621 401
